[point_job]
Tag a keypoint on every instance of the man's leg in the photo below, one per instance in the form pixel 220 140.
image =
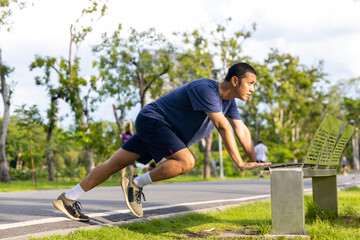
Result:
pixel 131 169
pixel 67 203
pixel 179 163
pixel 102 172
pixel 123 172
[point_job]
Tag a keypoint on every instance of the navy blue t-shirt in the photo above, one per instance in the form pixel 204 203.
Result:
pixel 183 109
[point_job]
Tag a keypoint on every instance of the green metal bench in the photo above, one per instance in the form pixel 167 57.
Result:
pixel 322 159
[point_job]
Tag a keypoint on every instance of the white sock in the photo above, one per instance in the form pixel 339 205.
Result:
pixel 75 193
pixel 143 180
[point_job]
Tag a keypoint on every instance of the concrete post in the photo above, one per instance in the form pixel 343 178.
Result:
pixel 287 200
pixel 325 193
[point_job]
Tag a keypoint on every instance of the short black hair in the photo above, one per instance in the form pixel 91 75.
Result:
pixel 239 70
pixel 127 132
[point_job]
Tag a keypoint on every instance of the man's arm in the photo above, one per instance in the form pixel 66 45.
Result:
pixel 243 134
pixel 221 124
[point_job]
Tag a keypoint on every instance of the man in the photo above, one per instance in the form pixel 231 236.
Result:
pixel 344 163
pixel 167 128
pixel 261 154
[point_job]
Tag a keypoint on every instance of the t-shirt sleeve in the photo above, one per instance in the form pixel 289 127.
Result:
pixel 233 112
pixel 204 98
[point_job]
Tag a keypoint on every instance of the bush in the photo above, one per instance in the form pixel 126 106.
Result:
pixel 26 174
pixel 19 174
pixel 279 154
pixel 82 172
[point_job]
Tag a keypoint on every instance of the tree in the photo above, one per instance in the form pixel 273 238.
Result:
pixel 70 83
pixel 105 139
pixel 228 46
pixel 137 64
pixel 6 92
pixel 352 106
pixel 29 117
pixel 55 93
pixel 67 146
pixel 6 10
pixel 16 143
pixel 117 83
pixel 289 97
pixel 6 96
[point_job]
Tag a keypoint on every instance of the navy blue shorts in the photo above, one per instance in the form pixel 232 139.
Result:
pixel 154 139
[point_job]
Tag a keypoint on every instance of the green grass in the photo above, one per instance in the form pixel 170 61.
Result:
pixel 254 216
pixel 44 184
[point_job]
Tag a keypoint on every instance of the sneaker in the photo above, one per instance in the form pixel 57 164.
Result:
pixel 133 196
pixel 70 208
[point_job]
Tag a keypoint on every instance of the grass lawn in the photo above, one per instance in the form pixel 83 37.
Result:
pixel 253 216
pixel 44 184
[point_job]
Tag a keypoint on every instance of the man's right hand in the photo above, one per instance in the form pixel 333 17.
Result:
pixel 253 164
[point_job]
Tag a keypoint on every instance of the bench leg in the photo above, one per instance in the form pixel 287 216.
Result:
pixel 325 193
pixel 287 201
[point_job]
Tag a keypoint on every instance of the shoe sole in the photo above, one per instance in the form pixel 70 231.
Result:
pixel 60 205
pixel 124 183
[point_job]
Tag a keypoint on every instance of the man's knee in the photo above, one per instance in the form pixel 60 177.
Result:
pixel 188 163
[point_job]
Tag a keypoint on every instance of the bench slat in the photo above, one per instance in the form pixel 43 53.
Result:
pixel 323 143
pixel 341 144
pixel 309 172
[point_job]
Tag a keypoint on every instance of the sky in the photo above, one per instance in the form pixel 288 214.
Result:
pixel 313 30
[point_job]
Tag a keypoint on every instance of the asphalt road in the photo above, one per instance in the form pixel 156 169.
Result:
pixel 23 214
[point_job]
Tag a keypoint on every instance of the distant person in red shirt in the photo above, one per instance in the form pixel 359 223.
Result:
pixel 126 135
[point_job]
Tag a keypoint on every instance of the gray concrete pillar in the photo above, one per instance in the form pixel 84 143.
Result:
pixel 325 193
pixel 287 200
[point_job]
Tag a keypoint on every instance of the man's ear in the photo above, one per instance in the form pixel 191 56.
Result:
pixel 234 81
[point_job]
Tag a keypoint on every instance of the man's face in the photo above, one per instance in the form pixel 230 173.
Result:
pixel 246 86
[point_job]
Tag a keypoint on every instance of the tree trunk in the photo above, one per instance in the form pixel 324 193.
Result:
pixel 117 119
pixel 51 175
pixel 32 160
pixel 19 161
pixel 207 155
pixel 33 175
pixel 142 89
pixel 49 160
pixel 257 127
pixel 88 149
pixel 4 168
pixel 89 155
pixel 142 96
pixel 51 126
